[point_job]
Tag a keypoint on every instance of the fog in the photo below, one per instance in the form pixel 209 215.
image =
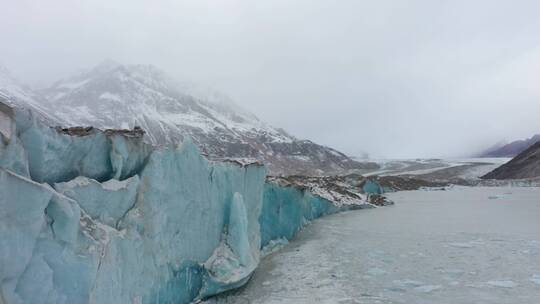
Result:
pixel 396 79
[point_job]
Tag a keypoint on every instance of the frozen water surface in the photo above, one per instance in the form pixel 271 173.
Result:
pixel 456 246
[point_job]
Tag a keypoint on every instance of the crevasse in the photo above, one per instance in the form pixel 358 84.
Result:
pixel 101 217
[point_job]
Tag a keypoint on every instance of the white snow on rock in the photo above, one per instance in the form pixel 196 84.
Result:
pixel 145 94
pixel 110 96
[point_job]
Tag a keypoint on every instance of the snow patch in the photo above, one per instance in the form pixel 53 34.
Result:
pixel 110 96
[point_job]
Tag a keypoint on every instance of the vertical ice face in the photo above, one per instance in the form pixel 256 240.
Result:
pixel 287 209
pixel 372 187
pixel 22 205
pixel 57 157
pixel 236 257
pixel 6 123
pixel 100 217
pixel 237 232
pixel 12 154
pixel 53 155
pixel 128 155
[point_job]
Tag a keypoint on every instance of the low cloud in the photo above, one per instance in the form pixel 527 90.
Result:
pixel 393 78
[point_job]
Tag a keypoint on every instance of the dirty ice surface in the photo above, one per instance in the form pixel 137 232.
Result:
pixel 456 246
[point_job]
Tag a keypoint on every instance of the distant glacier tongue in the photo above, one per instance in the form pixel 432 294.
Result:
pixel 102 217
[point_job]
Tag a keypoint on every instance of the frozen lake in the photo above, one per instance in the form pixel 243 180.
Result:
pixel 465 245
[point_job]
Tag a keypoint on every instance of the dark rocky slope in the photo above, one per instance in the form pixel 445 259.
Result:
pixel 525 165
pixel 512 149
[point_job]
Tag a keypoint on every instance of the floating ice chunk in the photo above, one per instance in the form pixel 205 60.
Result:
pixel 376 271
pixel 498 196
pixel 535 279
pixel 454 272
pixel 462 245
pixel 503 283
pixel 408 283
pixel 427 288
pixel 274 246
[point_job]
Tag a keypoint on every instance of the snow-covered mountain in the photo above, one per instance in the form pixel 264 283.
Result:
pixel 112 95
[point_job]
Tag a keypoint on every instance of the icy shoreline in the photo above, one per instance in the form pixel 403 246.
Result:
pixel 464 245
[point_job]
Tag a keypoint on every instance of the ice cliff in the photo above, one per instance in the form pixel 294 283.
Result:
pixel 91 216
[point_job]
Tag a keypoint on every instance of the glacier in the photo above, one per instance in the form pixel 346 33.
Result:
pixel 92 216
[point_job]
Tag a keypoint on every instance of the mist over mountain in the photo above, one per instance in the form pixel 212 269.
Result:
pixel 116 96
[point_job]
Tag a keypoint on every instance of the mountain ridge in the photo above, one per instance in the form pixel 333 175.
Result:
pixel 524 165
pixel 511 149
pixel 117 96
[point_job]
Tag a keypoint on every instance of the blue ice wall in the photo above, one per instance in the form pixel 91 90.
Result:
pixel 372 187
pixel 104 218
pixel 287 209
pixel 12 154
pixel 54 156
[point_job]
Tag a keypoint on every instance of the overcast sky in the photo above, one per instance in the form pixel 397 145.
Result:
pixel 393 78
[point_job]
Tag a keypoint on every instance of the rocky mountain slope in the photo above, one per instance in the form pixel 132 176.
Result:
pixel 512 149
pixel 525 165
pixel 117 96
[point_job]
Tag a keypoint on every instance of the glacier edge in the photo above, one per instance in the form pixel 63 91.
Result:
pixel 101 217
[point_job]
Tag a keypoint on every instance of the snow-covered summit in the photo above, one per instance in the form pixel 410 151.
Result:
pixel 123 96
